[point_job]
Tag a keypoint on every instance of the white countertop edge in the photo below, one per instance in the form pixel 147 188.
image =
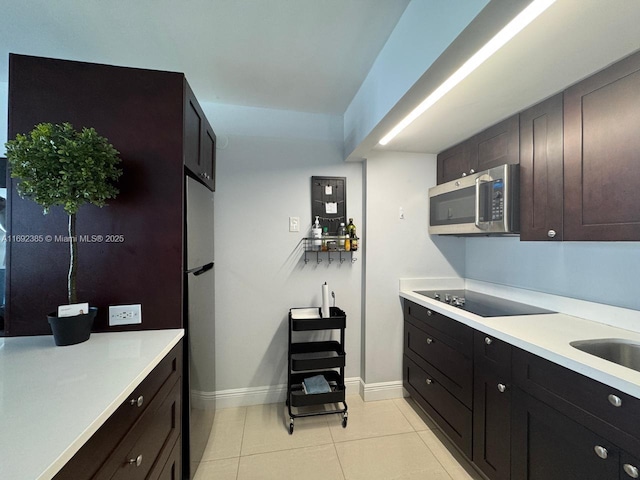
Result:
pixel 78 443
pixel 550 339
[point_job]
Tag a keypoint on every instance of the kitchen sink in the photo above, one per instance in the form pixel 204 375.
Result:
pixel 616 350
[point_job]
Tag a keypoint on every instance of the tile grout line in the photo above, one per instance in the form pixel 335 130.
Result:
pixel 244 426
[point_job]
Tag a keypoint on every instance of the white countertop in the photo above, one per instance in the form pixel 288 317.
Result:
pixel 547 335
pixel 52 399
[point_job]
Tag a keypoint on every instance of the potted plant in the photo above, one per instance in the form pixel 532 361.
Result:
pixel 58 165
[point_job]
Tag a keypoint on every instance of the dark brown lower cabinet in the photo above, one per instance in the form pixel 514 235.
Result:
pixel 141 440
pixel 492 406
pixel 547 445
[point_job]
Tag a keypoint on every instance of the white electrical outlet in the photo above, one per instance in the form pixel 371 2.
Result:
pixel 294 224
pixel 125 314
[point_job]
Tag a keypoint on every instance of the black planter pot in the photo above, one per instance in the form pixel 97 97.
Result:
pixel 72 330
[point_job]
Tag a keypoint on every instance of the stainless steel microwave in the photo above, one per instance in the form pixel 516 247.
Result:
pixel 485 203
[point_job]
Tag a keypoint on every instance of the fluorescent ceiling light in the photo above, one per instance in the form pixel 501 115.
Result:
pixel 523 19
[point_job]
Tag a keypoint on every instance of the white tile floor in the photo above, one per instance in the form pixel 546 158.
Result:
pixel 386 440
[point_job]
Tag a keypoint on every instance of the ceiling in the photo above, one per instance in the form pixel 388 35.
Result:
pixel 301 55
pixel 313 55
pixel 568 42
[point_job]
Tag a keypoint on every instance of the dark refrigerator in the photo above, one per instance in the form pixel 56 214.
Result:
pixel 199 386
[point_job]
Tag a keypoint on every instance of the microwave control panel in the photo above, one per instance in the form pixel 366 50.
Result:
pixel 497 200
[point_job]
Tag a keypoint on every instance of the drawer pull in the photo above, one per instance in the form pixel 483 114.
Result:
pixel 488 341
pixel 429 313
pixel 428 381
pixel 137 402
pixel 630 470
pixel 136 461
pixel 615 400
pixel 502 387
pixel 429 340
pixel 601 451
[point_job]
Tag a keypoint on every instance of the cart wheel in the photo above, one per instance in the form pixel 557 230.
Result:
pixel 290 426
pixel 344 421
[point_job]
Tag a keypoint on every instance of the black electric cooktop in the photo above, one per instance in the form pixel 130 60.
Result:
pixel 481 304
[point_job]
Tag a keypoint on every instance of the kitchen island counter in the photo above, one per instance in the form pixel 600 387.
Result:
pixel 546 335
pixel 52 399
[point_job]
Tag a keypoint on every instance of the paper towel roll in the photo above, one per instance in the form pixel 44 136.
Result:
pixel 325 301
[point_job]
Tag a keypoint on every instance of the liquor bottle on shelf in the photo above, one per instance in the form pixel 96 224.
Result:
pixel 325 235
pixel 342 234
pixel 351 231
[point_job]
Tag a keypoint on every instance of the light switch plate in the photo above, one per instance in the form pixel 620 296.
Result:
pixel 294 224
pixel 125 314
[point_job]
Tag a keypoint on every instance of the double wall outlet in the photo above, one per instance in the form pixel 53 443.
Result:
pixel 125 314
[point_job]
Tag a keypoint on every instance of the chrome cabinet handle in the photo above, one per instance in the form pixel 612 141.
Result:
pixel 601 451
pixel 630 470
pixel 428 381
pixel 488 340
pixel 502 387
pixel 429 341
pixel 615 400
pixel 429 313
pixel 136 461
pixel 472 171
pixel 551 233
pixel 464 174
pixel 137 402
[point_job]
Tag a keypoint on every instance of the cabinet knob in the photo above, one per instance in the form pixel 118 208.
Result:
pixel 464 174
pixel 428 381
pixel 429 340
pixel 615 400
pixel 472 171
pixel 601 451
pixel 488 340
pixel 136 461
pixel 630 470
pixel 551 233
pixel 502 387
pixel 429 313
pixel 137 401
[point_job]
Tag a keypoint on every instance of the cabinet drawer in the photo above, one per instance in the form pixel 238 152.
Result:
pixel 149 441
pixel 556 384
pixel 452 369
pixel 98 448
pixel 451 415
pixel 451 332
pixel 492 354
pixel 172 469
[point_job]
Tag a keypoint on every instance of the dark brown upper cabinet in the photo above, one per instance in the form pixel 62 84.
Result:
pixel 200 141
pixel 497 145
pixel 602 155
pixel 140 256
pixel 541 179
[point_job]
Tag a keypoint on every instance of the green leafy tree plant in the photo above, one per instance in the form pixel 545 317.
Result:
pixel 58 165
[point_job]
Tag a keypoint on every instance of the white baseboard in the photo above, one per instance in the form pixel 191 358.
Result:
pixel 381 391
pixel 244 397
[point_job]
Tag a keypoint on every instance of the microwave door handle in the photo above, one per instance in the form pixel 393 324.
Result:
pixel 478 223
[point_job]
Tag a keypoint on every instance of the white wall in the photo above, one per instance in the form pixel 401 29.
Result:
pixel 263 177
pixel 397 249
pixel 424 31
pixel 602 272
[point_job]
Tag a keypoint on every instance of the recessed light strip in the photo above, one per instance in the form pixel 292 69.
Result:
pixel 524 18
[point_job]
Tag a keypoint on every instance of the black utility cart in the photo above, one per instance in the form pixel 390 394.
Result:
pixel 309 359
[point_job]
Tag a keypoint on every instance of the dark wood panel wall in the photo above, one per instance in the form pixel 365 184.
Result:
pixel 141 113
